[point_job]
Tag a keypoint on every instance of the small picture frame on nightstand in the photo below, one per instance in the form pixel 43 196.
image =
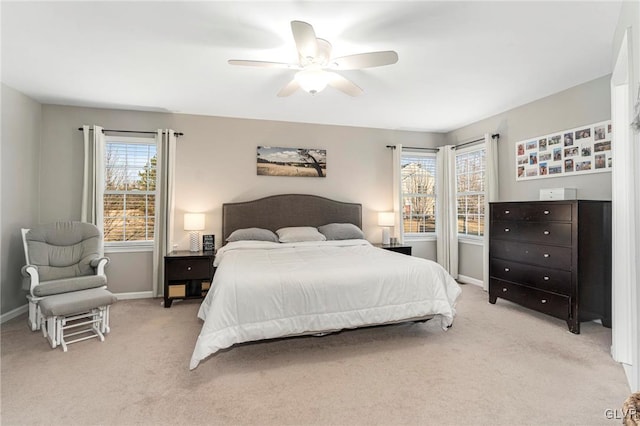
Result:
pixel 208 242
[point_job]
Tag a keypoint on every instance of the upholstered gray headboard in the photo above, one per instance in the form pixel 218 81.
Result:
pixel 278 211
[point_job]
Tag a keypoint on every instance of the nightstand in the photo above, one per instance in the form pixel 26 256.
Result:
pixel 397 248
pixel 187 275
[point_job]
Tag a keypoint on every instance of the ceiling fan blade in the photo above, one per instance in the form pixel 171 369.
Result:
pixel 264 64
pixel 323 54
pixel 289 88
pixel 339 82
pixel 366 60
pixel 305 38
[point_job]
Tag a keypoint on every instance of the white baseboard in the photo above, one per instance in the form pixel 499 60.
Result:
pixel 470 280
pixel 134 295
pixel 14 313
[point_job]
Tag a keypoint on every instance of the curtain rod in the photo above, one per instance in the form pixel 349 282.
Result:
pixel 131 131
pixel 414 147
pixel 493 136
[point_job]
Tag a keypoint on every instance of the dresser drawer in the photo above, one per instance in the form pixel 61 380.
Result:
pixel 546 302
pixel 185 269
pixel 555 233
pixel 534 254
pixel 547 279
pixel 532 212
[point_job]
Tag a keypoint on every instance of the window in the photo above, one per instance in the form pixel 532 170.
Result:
pixel 418 194
pixel 129 190
pixel 470 188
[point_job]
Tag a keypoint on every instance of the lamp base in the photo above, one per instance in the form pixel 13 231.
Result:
pixel 386 239
pixel 194 241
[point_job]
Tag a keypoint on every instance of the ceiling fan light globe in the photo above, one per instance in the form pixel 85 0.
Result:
pixel 312 80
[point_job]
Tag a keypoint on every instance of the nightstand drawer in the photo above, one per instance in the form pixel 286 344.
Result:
pixel 185 269
pixel 554 280
pixel 534 232
pixel 546 302
pixel 533 211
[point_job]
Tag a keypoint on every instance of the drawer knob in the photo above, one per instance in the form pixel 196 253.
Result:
pixel 506 229
pixel 188 268
pixel 544 300
pixel 546 232
pixel 507 212
pixel 546 278
pixel 504 290
pixel 546 212
pixel 506 269
pixel 546 255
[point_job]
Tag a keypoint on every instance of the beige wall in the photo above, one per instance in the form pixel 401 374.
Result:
pixel 216 163
pixel 21 118
pixel 584 104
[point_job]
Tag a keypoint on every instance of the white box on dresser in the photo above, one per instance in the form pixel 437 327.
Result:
pixel 550 194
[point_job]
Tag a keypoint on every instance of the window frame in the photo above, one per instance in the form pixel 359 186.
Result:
pixel 422 236
pixel 467 238
pixel 127 246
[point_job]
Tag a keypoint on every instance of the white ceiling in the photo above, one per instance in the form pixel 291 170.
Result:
pixel 459 62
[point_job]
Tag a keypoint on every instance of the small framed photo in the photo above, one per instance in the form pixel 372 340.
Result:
pixel 208 242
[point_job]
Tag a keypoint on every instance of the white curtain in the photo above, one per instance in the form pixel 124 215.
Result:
pixel 446 223
pixel 491 194
pixel 165 203
pixel 398 206
pixel 92 209
pixel 93 178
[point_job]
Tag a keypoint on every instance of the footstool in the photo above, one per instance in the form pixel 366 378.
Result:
pixel 73 310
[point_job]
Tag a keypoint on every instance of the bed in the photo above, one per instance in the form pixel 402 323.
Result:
pixel 271 289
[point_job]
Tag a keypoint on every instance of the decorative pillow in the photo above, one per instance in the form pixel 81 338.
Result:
pixel 255 234
pixel 297 234
pixel 341 231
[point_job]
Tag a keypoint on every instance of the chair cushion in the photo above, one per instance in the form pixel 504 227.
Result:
pixel 63 249
pixel 76 302
pixel 67 285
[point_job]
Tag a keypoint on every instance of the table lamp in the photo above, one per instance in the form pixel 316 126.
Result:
pixel 194 222
pixel 386 220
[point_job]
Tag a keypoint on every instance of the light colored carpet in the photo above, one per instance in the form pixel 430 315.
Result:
pixel 498 365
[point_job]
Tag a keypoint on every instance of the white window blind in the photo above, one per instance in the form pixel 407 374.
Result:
pixel 130 189
pixel 418 193
pixel 470 190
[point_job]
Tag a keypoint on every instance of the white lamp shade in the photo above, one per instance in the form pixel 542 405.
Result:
pixel 386 219
pixel 193 221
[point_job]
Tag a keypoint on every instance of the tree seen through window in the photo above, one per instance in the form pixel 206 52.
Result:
pixel 129 194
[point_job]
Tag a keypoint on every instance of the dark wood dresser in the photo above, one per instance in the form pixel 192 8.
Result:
pixel 553 257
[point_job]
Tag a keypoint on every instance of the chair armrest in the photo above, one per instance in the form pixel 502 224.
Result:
pixel 31 272
pixel 99 264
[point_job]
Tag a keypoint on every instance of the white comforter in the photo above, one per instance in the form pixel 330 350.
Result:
pixel 264 290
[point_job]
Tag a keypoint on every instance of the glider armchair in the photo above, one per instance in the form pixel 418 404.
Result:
pixel 61 257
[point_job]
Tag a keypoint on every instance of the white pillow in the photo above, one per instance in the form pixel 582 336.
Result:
pixel 297 234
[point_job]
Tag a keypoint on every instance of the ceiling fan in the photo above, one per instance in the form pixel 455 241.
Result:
pixel 315 65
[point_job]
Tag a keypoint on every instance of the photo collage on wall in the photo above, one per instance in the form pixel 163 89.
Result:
pixel 585 149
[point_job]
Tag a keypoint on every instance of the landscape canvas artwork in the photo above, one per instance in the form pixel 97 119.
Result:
pixel 280 161
pixel 584 149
